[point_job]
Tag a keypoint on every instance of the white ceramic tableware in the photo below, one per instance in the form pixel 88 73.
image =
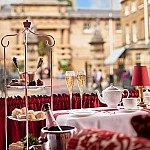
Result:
pixel 147 99
pixel 111 96
pixel 130 103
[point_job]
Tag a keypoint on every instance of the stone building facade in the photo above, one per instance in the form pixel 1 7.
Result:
pixel 135 31
pixel 72 29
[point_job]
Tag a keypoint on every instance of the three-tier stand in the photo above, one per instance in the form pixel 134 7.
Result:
pixel 25 32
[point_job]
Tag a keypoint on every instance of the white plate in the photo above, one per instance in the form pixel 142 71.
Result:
pixel 122 109
pixel 83 113
pixel 29 87
pixel 23 119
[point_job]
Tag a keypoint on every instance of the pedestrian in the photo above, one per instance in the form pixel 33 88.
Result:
pixel 99 80
pixel 125 78
pixel 94 78
pixel 130 72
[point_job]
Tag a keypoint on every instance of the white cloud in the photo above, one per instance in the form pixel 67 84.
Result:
pixel 105 4
pixel 10 1
pixel 116 4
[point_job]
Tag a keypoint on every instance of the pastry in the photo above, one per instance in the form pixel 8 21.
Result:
pixel 16 146
pixel 16 112
pixel 30 111
pixel 40 114
pixel 23 110
pixel 39 82
pixel 14 82
pixel 32 83
pixel 31 116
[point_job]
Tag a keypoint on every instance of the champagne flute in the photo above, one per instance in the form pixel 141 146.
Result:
pixel 70 76
pixel 81 78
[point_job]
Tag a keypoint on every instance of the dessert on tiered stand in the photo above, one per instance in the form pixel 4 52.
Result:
pixel 20 114
pixel 21 145
pixel 30 75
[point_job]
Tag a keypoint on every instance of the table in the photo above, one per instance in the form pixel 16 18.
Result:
pixel 104 118
pixel 17 129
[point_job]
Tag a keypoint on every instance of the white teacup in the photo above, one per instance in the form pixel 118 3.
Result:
pixel 130 103
pixel 147 99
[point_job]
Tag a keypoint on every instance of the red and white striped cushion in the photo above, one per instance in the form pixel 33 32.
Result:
pixel 99 139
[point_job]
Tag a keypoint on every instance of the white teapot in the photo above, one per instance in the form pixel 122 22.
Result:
pixel 111 96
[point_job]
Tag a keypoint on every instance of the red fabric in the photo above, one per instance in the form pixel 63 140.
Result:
pixel 132 93
pixel 99 139
pixel 141 124
pixel 146 109
pixel 57 114
pixel 17 130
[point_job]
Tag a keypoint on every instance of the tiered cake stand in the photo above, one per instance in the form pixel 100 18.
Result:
pixel 5 46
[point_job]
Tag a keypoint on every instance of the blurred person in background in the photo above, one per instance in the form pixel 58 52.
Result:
pixel 98 80
pixel 125 78
pixel 94 78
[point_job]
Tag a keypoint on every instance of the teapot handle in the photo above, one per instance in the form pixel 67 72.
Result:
pixel 127 92
pixel 123 94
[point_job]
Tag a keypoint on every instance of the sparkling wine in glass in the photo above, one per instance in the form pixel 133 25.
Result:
pixel 81 78
pixel 70 76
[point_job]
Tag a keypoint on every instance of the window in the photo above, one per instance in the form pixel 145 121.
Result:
pixel 17 37
pixel 127 34
pixel 138 58
pixel 126 10
pixel 134 32
pixel 133 6
pixel 118 27
pixel 87 28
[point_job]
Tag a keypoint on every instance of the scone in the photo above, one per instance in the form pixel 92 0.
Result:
pixel 30 111
pixel 40 114
pixel 16 112
pixel 31 116
pixel 23 110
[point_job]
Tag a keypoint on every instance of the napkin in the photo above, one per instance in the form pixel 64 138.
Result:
pixel 146 109
pixel 61 113
pixel 107 109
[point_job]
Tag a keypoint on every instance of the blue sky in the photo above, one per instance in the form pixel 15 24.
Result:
pixel 98 4
pixel 90 4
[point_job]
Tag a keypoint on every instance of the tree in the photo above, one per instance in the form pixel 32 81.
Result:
pixel 42 48
pixel 69 2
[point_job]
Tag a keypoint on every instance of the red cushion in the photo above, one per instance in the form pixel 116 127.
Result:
pixel 141 124
pixel 98 139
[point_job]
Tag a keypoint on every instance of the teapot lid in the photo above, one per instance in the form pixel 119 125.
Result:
pixel 112 88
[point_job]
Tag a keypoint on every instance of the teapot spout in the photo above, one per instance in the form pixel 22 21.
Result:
pixel 99 97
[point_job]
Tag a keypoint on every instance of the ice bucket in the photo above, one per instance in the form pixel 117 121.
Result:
pixel 53 139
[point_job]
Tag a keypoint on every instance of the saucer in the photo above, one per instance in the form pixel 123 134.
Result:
pixel 123 109
pixel 83 113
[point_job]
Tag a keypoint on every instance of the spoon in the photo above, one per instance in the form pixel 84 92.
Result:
pixel 39 63
pixel 15 62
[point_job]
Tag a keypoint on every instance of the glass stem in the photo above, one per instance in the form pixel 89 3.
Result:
pixel 81 95
pixel 71 101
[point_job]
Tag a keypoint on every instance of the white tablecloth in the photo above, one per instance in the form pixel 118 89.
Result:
pixel 111 120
